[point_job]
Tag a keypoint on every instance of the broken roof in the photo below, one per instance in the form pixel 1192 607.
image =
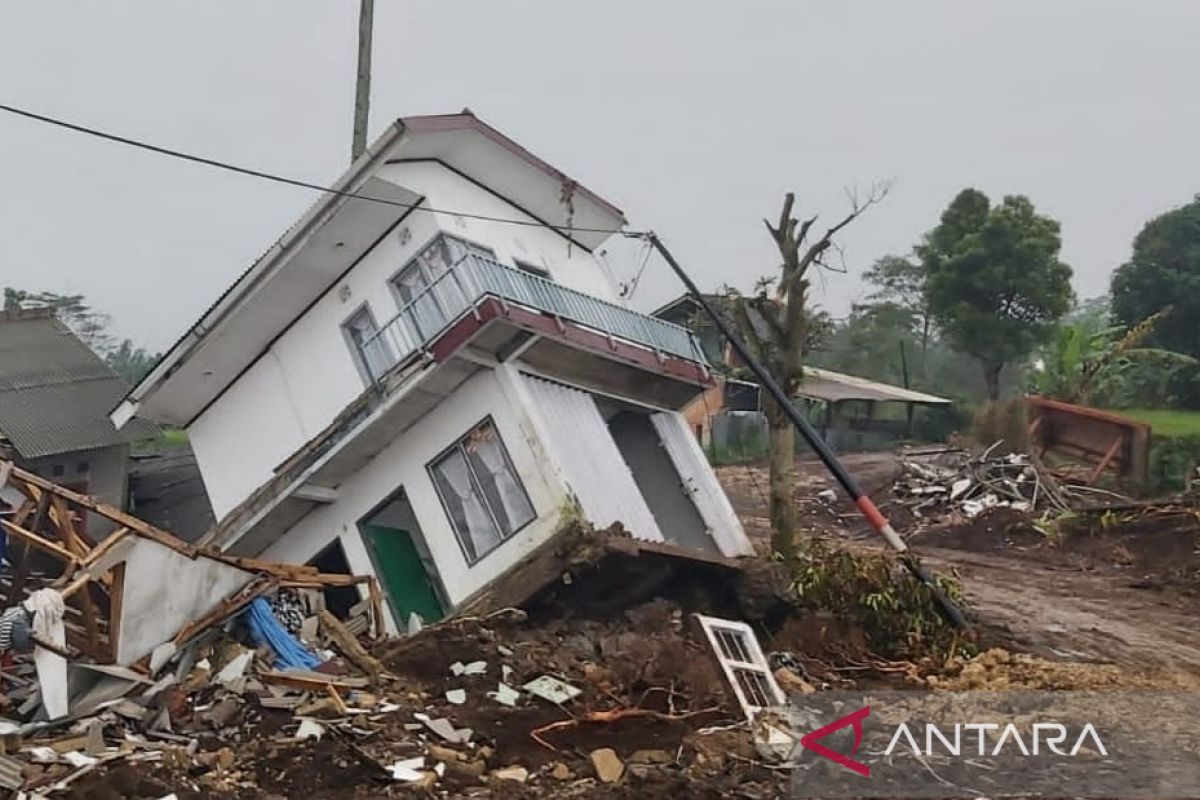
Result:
pixel 55 393
pixel 834 387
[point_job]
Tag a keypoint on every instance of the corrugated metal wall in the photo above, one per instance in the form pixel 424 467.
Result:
pixel 593 466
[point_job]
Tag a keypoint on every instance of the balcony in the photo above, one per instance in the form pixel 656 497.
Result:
pixel 479 310
pixel 461 293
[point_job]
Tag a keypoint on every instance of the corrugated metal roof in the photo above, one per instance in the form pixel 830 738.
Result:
pixel 833 387
pixel 55 393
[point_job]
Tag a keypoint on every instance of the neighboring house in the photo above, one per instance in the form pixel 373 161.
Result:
pixel 428 396
pixel 166 490
pixel 855 409
pixel 55 397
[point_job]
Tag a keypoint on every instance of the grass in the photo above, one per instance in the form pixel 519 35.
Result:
pixel 168 439
pixel 1168 423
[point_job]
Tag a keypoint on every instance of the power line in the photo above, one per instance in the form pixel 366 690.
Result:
pixel 270 176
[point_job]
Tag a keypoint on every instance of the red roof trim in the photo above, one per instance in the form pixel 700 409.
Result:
pixel 438 123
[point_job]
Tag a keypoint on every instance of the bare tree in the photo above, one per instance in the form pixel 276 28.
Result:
pixel 777 326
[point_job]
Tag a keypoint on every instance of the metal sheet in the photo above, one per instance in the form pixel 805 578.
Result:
pixel 707 494
pixel 590 461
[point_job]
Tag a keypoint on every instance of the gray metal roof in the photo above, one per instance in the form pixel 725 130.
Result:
pixel 55 393
pixel 833 387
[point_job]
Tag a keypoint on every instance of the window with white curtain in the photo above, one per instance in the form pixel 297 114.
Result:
pixel 424 288
pixel 480 491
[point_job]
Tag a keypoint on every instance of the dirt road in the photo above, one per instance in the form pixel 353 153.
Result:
pixel 1079 604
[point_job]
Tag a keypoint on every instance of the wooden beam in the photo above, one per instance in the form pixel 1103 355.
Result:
pixel 32 539
pixel 116 605
pixel 225 609
pixel 60 515
pixel 108 512
pixel 376 606
pixel 1112 451
pixel 350 646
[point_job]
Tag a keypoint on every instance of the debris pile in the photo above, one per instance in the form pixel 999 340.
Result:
pixel 240 681
pixel 140 645
pixel 952 480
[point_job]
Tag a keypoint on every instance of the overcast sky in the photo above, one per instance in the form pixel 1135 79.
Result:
pixel 693 116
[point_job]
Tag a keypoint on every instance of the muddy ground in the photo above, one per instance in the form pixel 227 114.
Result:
pixel 1123 589
pixel 1107 604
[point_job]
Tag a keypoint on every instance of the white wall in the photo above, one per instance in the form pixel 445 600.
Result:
pixel 106 475
pixel 150 614
pixel 571 266
pixel 403 464
pixel 309 375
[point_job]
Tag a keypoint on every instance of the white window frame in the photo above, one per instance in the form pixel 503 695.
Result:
pixel 459 446
pixel 742 660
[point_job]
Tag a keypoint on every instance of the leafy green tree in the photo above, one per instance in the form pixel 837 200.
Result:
pixel 1164 270
pixel 131 362
pixel 994 283
pixel 1089 361
pixel 900 282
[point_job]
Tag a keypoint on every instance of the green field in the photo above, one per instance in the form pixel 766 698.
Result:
pixel 169 439
pixel 1166 422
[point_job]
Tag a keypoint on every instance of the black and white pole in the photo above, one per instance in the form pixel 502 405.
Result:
pixel 865 505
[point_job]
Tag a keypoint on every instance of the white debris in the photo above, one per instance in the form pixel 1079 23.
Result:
pixel 235 669
pixel 78 760
pixel 458 668
pixel 828 495
pixel 961 485
pixel 407 769
pixel 505 695
pixel 310 730
pixel 552 689
pixel 444 729
pixel 456 696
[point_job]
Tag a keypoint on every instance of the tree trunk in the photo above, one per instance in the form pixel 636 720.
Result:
pixel 782 480
pixel 991 377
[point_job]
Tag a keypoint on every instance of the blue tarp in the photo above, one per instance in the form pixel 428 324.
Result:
pixel 265 629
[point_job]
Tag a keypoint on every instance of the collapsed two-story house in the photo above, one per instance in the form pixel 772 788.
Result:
pixel 429 370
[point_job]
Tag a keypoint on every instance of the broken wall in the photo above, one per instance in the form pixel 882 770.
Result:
pixel 165 590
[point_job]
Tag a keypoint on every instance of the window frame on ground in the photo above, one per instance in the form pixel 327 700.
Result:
pixel 496 508
pixel 361 359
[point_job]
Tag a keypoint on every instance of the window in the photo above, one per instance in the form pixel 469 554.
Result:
pixel 480 491
pixel 744 664
pixel 525 266
pixel 430 300
pixel 372 353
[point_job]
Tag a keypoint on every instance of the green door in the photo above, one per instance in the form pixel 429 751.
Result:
pixel 402 573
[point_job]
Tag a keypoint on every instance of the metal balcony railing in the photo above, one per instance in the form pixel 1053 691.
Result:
pixel 459 289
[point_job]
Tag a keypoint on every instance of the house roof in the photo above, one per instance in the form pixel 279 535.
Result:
pixel 833 387
pixel 55 393
pixel 314 254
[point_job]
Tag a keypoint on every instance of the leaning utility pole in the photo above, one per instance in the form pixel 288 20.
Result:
pixel 362 90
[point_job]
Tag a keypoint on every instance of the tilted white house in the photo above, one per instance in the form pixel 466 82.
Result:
pixel 410 390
